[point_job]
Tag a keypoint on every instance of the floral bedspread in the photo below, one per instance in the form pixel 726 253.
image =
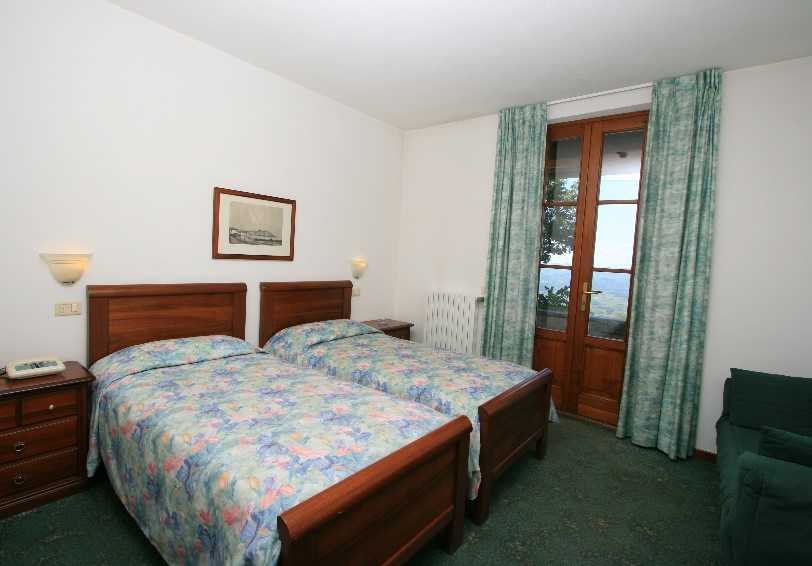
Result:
pixel 206 442
pixel 448 382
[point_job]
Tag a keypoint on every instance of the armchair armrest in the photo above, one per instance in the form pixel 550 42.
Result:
pixel 773 521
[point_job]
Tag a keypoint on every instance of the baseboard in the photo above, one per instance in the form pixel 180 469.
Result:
pixel 585 419
pixel 702 455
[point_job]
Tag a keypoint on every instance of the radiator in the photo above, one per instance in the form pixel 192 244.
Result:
pixel 453 322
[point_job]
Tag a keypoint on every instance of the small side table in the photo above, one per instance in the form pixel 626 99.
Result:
pixel 393 328
pixel 43 437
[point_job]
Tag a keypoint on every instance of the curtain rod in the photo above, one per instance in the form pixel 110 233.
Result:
pixel 602 93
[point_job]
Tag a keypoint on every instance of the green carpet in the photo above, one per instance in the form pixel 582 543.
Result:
pixel 592 500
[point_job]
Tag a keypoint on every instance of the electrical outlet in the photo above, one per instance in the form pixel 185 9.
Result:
pixel 356 291
pixel 67 309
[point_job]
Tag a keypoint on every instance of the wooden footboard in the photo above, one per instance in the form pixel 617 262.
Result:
pixel 510 424
pixel 387 511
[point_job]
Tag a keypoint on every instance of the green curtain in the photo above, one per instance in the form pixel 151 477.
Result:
pixel 513 251
pixel 660 402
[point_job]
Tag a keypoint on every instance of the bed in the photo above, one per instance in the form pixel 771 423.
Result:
pixel 225 455
pixel 508 404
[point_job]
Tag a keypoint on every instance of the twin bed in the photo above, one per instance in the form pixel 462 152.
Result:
pixel 307 323
pixel 227 454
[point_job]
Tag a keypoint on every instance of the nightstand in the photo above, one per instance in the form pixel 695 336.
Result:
pixel 393 328
pixel 43 437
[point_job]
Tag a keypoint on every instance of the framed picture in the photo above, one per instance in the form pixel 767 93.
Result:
pixel 252 226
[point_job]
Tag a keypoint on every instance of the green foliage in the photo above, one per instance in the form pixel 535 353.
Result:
pixel 553 298
pixel 558 232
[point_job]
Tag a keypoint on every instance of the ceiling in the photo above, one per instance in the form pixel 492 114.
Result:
pixel 414 63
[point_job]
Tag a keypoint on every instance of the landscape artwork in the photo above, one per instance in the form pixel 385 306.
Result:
pixel 252 226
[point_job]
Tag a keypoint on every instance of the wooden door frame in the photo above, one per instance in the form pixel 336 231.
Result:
pixel 587 208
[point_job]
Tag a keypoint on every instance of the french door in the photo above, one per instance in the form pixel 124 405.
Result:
pixel 586 269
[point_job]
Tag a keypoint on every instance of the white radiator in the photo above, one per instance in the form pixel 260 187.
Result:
pixel 452 322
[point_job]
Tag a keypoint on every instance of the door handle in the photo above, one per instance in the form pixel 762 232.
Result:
pixel 586 292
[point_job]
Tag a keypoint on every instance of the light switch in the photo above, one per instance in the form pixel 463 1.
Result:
pixel 67 309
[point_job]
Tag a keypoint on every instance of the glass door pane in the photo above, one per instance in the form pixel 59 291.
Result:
pixel 558 235
pixel 562 170
pixel 607 310
pixel 553 304
pixel 614 236
pixel 620 167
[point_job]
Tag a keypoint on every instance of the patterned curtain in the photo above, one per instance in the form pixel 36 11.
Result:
pixel 660 401
pixel 513 251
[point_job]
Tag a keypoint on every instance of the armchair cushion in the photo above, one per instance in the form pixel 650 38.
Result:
pixel 758 399
pixel 773 510
pixel 787 446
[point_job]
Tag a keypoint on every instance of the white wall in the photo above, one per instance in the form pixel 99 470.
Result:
pixel 758 313
pixel 115 130
pixel 445 213
pixel 760 301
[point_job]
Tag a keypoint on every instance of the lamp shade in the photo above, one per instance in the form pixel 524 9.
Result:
pixel 66 267
pixel 358 266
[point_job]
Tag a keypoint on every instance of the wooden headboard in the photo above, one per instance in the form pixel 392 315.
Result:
pixel 297 302
pixel 125 315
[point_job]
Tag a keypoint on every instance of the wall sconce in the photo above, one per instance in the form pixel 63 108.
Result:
pixel 358 266
pixel 66 267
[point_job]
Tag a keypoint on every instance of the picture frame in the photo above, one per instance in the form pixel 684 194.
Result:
pixel 252 226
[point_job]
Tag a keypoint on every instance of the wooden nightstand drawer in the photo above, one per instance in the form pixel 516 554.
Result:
pixel 27 442
pixel 50 405
pixel 8 414
pixel 35 472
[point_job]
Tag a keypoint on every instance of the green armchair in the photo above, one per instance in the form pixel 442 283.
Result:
pixel 765 474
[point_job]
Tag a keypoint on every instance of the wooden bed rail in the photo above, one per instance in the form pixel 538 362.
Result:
pixel 387 511
pixel 510 424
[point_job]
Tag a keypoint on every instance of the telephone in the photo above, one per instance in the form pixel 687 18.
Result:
pixel 34 367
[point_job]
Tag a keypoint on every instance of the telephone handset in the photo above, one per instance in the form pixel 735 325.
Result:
pixel 22 369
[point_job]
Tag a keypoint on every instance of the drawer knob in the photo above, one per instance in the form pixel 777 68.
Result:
pixel 19 446
pixel 51 407
pixel 19 479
